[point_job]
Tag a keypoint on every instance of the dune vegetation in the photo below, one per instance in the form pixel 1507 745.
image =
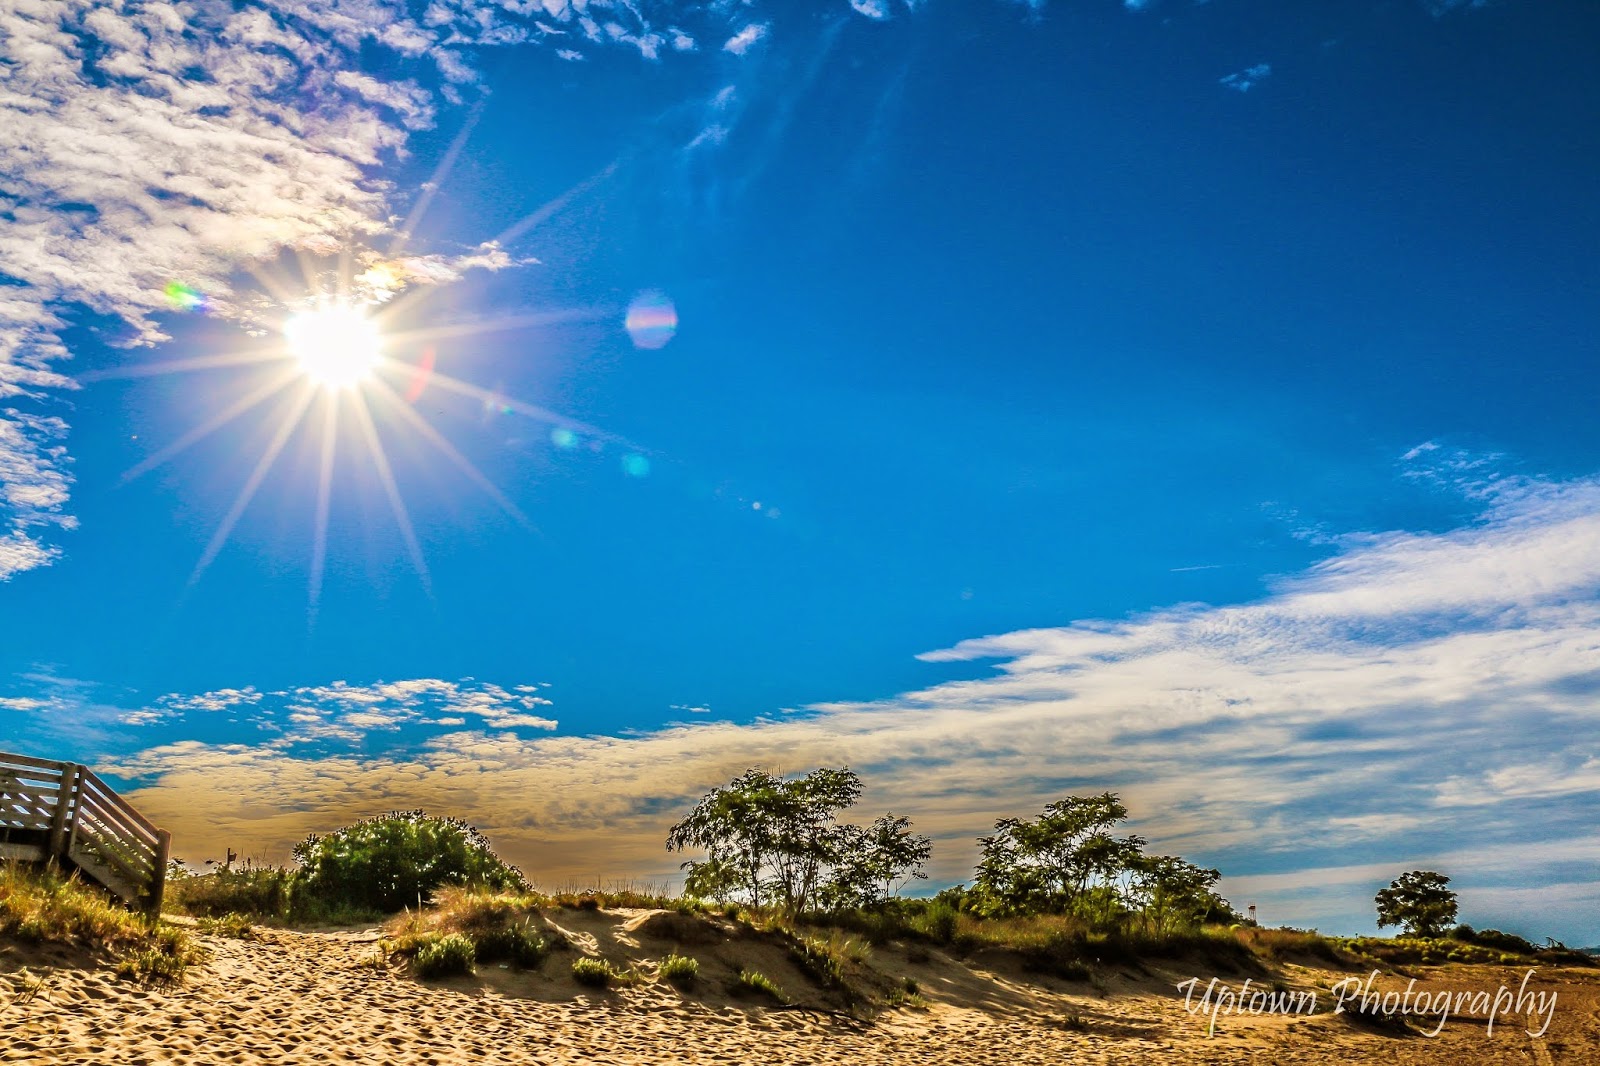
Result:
pixel 41 906
pixel 1062 895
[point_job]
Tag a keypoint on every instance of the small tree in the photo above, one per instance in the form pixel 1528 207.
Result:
pixel 1067 859
pixel 766 836
pixel 779 842
pixel 1419 902
pixel 1173 894
pixel 874 863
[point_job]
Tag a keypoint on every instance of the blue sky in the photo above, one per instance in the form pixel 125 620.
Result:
pixel 1193 400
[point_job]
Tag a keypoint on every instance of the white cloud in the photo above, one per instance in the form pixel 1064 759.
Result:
pixel 388 705
pixel 144 143
pixel 1421 696
pixel 745 39
pixel 406 99
pixel 1245 80
pixel 1441 8
pixel 220 700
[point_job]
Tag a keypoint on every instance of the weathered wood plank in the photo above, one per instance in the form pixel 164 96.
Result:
pixel 158 888
pixel 43 797
pixel 27 782
pixel 129 889
pixel 14 821
pixel 134 816
pixel 90 806
pixel 65 797
pixel 20 852
pixel 75 816
pixel 11 758
pixel 109 857
pixel 107 836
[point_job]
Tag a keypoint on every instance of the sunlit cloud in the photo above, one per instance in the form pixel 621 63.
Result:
pixel 1418 697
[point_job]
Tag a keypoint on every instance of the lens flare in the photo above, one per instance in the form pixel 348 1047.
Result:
pixel 563 438
pixel 635 465
pixel 419 377
pixel 184 297
pixel 338 347
pixel 652 320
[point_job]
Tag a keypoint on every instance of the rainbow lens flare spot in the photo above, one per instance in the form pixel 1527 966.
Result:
pixel 184 297
pixel 652 320
pixel 563 438
pixel 635 465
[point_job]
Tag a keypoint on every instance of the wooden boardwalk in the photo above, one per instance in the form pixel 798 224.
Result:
pixel 63 811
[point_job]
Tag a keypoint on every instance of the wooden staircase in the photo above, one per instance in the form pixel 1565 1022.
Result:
pixel 62 811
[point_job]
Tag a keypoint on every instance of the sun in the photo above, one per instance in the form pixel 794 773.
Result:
pixel 337 346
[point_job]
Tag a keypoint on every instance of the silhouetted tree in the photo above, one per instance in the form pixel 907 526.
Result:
pixel 1419 902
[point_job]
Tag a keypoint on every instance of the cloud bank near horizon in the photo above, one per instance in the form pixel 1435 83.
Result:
pixel 1417 698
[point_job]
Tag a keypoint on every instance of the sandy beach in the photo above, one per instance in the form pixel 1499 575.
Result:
pixel 294 997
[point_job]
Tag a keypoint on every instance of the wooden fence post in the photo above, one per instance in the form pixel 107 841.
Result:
pixel 158 887
pixel 58 820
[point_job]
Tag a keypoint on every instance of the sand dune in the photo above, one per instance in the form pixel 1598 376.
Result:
pixel 313 997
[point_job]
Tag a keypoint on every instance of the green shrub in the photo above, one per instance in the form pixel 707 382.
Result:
pixel 151 964
pixel 596 973
pixel 251 890
pixel 519 943
pixel 751 982
pixel 445 956
pixel 235 926
pixel 680 969
pixel 395 860
pixel 899 997
pixel 937 923
pixel 817 961
pixel 1506 942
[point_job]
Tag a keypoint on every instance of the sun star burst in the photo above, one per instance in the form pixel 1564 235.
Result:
pixel 336 345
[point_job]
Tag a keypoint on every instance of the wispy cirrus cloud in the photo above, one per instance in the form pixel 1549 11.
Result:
pixel 1248 78
pixel 147 142
pixel 1441 8
pixel 746 38
pixel 1415 698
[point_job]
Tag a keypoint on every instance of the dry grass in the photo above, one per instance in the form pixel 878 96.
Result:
pixel 45 907
pixel 1277 945
pixel 497 927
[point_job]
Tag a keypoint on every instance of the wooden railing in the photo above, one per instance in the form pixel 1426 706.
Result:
pixel 63 811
